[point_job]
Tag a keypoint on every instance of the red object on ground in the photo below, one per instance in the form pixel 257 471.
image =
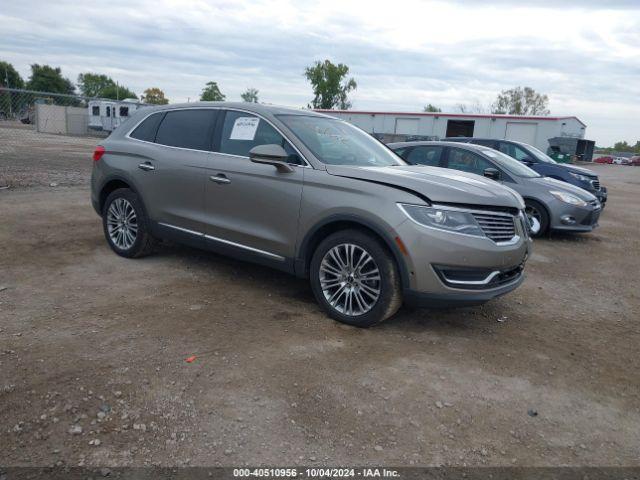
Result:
pixel 190 359
pixel 607 159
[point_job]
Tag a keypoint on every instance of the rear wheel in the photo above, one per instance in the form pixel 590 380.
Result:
pixel 538 218
pixel 125 224
pixel 355 279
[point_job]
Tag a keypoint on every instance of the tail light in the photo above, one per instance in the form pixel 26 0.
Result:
pixel 98 153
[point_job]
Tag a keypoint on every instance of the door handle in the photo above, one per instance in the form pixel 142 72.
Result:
pixel 146 166
pixel 220 178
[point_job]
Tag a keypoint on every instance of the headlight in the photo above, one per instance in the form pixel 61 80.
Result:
pixel 454 221
pixel 577 176
pixel 568 198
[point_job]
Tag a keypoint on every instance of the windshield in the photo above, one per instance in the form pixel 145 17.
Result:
pixel 335 142
pixel 510 164
pixel 540 155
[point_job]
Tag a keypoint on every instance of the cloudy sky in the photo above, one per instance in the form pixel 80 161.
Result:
pixel 584 54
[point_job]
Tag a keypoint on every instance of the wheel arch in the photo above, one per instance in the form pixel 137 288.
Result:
pixel 337 223
pixel 112 184
pixel 547 210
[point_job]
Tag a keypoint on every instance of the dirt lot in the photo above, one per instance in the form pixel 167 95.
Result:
pixel 93 349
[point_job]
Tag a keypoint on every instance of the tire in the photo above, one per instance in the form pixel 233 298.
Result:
pixel 355 287
pixel 536 212
pixel 139 242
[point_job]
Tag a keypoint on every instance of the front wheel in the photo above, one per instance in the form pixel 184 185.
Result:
pixel 355 279
pixel 538 218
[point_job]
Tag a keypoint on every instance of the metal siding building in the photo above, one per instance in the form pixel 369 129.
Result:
pixel 528 129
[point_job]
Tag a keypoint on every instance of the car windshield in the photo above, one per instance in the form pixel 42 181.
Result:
pixel 511 165
pixel 540 155
pixel 335 142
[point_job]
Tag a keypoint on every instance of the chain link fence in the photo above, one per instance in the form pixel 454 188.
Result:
pixel 46 112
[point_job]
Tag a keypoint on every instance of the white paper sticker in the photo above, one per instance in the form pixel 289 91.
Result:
pixel 244 128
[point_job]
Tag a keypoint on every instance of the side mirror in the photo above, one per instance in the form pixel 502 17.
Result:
pixel 271 154
pixel 492 173
pixel 528 161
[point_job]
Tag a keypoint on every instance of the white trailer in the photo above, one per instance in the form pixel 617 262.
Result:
pixel 393 126
pixel 107 115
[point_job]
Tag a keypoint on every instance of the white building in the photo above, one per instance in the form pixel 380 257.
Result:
pixel 392 126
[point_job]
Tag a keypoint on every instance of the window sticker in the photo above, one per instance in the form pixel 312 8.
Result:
pixel 244 128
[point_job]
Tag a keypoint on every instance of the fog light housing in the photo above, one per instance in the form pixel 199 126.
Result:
pixel 568 220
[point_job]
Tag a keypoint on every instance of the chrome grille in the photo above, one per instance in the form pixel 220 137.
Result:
pixel 595 184
pixel 499 228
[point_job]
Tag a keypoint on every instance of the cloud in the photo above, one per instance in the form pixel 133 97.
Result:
pixel 584 56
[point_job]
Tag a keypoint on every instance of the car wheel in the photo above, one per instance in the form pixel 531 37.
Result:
pixel 355 279
pixel 538 218
pixel 126 225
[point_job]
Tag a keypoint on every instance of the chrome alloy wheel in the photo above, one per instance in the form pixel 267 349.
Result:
pixel 350 279
pixel 122 223
pixel 535 219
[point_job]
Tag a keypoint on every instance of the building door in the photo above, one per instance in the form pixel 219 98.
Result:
pixel 521 132
pixel 460 128
pixel 407 126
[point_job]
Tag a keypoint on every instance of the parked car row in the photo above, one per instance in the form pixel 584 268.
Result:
pixel 635 160
pixel 314 196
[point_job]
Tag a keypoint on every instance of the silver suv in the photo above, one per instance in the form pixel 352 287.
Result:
pixel 314 196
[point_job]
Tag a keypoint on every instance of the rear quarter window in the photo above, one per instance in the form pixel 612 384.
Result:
pixel 147 129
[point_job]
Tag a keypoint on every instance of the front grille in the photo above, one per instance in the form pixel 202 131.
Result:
pixel 595 184
pixel 499 228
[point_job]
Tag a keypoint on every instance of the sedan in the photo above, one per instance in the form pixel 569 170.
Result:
pixel 550 203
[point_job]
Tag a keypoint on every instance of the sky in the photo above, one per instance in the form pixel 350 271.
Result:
pixel 585 55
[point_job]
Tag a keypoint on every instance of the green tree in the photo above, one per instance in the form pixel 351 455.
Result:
pixel 251 95
pixel 117 92
pixel 330 87
pixel 154 96
pixel 45 78
pixel 92 84
pixel 9 76
pixel 431 108
pixel 211 93
pixel 521 101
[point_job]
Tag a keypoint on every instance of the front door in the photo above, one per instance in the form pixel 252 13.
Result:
pixel 252 207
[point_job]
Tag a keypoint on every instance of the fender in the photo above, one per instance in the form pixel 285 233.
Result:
pixel 303 253
pixel 129 181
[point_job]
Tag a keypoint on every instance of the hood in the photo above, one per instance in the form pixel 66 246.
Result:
pixel 580 170
pixel 553 184
pixel 439 185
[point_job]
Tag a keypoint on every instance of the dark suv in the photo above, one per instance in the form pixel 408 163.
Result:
pixel 543 164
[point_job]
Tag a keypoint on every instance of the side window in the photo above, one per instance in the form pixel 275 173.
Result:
pixel 425 156
pixel 242 131
pixel 147 129
pixel 124 111
pixel 467 161
pixel 108 111
pixel 95 111
pixel 190 128
pixel 513 151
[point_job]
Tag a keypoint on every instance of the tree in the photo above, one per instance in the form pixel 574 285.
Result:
pixel 211 93
pixel 93 84
pixel 521 101
pixel 475 107
pixel 330 87
pixel 118 92
pixel 251 95
pixel 9 76
pixel 48 79
pixel 431 108
pixel 154 96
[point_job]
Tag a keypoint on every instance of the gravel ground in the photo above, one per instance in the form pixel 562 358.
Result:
pixel 93 349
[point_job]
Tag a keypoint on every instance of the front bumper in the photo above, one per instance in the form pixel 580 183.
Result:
pixel 570 218
pixel 437 260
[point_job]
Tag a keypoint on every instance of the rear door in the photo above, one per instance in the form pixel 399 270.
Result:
pixel 252 207
pixel 173 149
